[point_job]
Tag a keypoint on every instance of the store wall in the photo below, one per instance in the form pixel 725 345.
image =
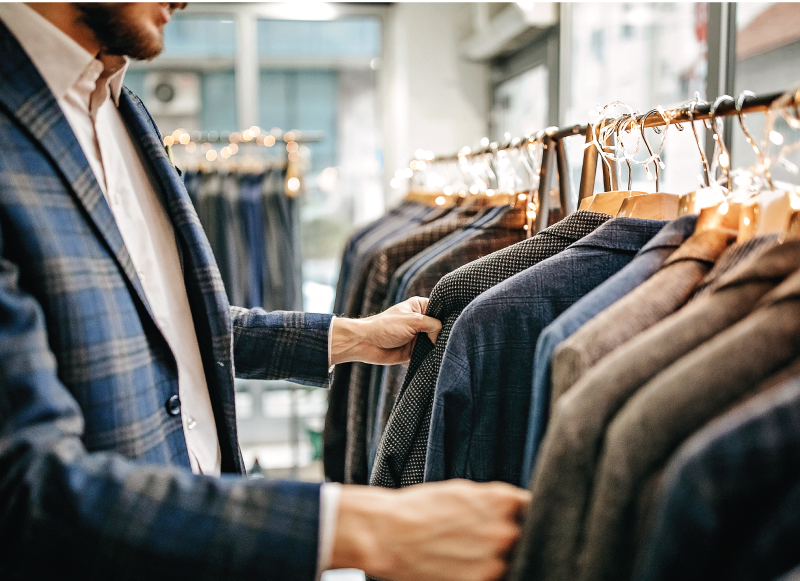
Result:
pixel 433 98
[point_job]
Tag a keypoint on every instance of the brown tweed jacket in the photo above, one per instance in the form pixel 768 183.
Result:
pixel 563 477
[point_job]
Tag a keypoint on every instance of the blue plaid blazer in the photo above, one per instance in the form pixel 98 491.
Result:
pixel 94 471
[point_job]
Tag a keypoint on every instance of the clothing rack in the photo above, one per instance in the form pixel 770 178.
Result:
pixel 552 143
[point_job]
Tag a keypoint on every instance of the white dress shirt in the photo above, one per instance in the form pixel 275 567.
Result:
pixel 87 90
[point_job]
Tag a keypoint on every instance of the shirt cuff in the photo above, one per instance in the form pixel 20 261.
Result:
pixel 329 494
pixel 330 345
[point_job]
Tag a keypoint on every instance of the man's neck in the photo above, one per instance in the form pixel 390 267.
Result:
pixel 66 17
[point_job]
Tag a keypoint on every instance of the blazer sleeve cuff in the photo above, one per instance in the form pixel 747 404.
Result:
pixel 282 345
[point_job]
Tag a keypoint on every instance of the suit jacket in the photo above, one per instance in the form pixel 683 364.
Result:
pixel 565 470
pixel 334 435
pixel 480 408
pixel 646 262
pixel 380 268
pixel 496 229
pixel 96 474
pixel 724 484
pixel 662 294
pixel 400 459
pixel 670 407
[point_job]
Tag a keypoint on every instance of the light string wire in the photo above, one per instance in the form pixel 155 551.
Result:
pixel 609 124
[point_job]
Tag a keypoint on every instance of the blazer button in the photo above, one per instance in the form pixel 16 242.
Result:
pixel 173 405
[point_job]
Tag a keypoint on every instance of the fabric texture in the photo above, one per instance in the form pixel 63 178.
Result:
pixel 646 263
pixel 400 460
pixel 482 398
pixel 705 511
pixel 380 267
pixel 670 407
pixel 662 294
pixel 733 256
pixel 565 470
pixel 96 469
pixel 334 434
pixel 497 228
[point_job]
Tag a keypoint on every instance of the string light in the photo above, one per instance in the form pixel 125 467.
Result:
pixel 191 146
pixel 294 156
pixel 395 183
pixel 176 135
pixel 448 190
pixel 292 146
pixel 211 155
pixel 168 140
pixel 776 137
pixel 234 148
pixel 185 138
pixel 440 201
pixel 269 141
pixel 288 136
pixel 293 184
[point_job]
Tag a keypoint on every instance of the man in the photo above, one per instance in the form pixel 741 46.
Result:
pixel 118 448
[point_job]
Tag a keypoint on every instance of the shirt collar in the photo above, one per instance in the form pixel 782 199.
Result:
pixel 60 60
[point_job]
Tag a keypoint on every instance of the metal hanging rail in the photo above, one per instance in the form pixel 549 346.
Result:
pixel 552 141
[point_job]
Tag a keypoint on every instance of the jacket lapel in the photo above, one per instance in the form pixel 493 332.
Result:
pixel 209 301
pixel 27 98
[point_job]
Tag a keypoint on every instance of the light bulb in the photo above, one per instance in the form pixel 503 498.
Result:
pixel 775 137
pixel 293 184
pixel 440 201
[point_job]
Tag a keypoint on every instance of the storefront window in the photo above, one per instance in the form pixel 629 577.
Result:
pixel 767 60
pixel 521 104
pixel 645 55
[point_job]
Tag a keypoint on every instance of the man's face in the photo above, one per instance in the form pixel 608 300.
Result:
pixel 134 29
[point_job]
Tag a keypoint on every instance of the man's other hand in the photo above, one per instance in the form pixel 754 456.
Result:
pixel 457 530
pixel 386 338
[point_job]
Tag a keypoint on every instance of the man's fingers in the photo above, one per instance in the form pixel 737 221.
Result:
pixel 430 326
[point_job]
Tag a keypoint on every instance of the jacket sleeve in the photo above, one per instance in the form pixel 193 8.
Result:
pixel 71 514
pixel 281 345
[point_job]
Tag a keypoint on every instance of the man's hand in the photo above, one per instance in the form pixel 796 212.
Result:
pixel 456 530
pixel 386 338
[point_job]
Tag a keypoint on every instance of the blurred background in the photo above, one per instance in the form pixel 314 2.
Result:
pixel 348 94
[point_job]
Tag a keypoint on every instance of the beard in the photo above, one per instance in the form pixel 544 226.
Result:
pixel 118 33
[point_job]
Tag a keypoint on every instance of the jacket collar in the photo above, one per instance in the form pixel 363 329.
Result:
pixel 209 302
pixel 777 263
pixel 620 234
pixel 673 234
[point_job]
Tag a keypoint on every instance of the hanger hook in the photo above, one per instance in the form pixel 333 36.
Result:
pixel 739 113
pixel 655 158
pixel 692 107
pixel 726 166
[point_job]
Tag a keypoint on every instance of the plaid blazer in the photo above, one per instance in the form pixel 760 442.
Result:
pixel 95 472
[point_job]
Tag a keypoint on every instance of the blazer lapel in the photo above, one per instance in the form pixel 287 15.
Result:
pixel 200 271
pixel 26 97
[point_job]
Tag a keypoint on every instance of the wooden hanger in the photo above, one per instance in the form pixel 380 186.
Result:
pixel 611 202
pixel 769 212
pixel 656 206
